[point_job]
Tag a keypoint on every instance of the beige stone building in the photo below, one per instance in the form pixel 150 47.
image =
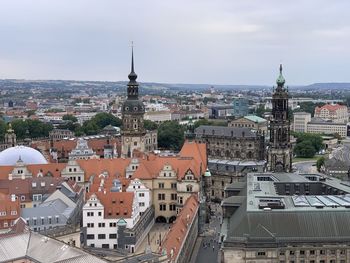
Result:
pixel 251 121
pixel 300 121
pixel 321 126
pixel 334 112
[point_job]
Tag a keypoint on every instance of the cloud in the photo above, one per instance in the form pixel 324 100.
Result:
pixel 197 41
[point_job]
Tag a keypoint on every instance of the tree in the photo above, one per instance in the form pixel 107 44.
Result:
pixel 35 128
pixel 69 117
pixel 99 121
pixel 315 139
pixel 320 163
pixel 171 135
pixel 309 107
pixel 3 128
pixel 260 110
pixel 150 125
pixel 305 149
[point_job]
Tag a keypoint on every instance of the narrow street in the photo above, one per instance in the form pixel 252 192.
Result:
pixel 209 248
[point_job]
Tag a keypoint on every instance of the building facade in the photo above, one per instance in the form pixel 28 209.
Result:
pixel 280 149
pixel 252 122
pixel 300 121
pixel 231 142
pixel 334 112
pixel 321 126
pixel 240 107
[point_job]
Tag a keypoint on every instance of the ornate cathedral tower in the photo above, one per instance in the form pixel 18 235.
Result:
pixel 133 110
pixel 280 149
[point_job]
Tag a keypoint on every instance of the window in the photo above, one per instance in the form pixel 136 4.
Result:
pixel 141 204
pixel 101 224
pixel 173 185
pixel 99 213
pixel 261 253
pixel 112 224
pixel 90 236
pixel 173 196
pixel 189 188
pixel 50 220
pixel 90 213
pixel 292 253
pixel 302 252
pixel 13 213
pixel 162 207
pixel 42 221
pixel 161 196
pixel 180 200
pixel 161 185
pixel 101 236
pixel 322 252
pixel 23 198
pixel 90 225
pixel 172 207
pixel 312 252
pixel 105 245
pixel 282 253
pixel 112 236
pixel 332 251
pixel 141 194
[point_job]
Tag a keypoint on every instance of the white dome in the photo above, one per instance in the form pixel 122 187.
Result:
pixel 28 155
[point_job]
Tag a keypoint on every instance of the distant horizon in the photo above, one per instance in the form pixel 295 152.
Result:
pixel 169 83
pixel 197 41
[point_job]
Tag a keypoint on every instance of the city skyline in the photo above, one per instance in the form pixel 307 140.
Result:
pixel 188 42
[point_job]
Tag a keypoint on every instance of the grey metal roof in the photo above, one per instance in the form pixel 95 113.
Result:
pixel 225 131
pixel 51 208
pixel 283 226
pixel 41 249
pixel 309 218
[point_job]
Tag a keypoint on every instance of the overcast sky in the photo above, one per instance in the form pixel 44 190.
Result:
pixel 179 41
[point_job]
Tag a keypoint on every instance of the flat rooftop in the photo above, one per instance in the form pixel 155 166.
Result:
pixel 296 192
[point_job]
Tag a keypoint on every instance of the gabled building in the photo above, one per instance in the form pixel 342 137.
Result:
pixel 9 210
pixel 113 220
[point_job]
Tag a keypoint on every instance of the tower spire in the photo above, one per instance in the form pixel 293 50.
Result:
pixel 280 80
pixel 132 76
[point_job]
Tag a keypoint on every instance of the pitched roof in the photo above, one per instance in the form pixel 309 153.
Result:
pixel 330 107
pixel 116 204
pixel 178 232
pixel 98 166
pixel 36 247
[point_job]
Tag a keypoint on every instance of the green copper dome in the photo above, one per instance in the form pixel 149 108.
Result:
pixel 280 80
pixel 207 173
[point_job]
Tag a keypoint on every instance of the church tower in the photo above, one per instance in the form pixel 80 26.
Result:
pixel 10 137
pixel 133 131
pixel 280 149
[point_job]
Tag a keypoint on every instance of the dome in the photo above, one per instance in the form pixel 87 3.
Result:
pixel 28 155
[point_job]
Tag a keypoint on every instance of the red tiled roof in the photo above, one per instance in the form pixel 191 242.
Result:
pixel 179 230
pixel 116 204
pixel 192 157
pixel 330 107
pixel 97 166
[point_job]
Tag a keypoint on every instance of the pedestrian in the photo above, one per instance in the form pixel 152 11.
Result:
pixel 213 247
